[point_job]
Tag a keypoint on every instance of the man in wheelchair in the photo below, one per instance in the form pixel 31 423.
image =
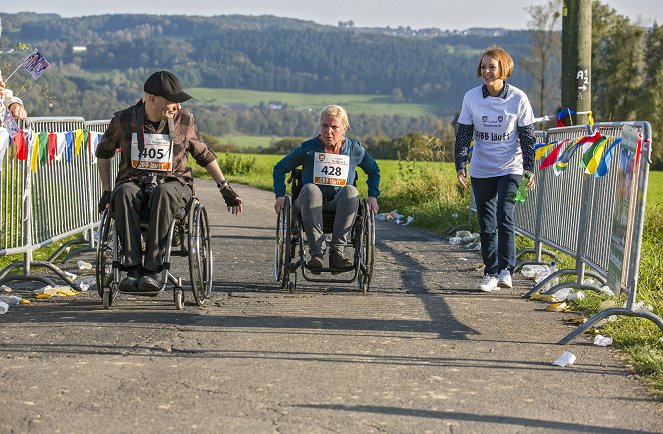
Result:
pixel 153 182
pixel 328 173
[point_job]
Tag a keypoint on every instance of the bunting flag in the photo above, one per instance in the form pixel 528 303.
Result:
pixel 552 157
pixel 52 146
pixel 78 139
pixel 4 145
pixel 540 149
pixel 43 148
pixel 565 157
pixel 604 164
pixel 592 158
pixel 61 143
pixel 21 147
pixel 94 142
pixel 69 137
pixel 34 155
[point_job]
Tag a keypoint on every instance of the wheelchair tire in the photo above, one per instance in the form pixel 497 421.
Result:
pixel 107 299
pixel 283 248
pixel 104 259
pixel 367 248
pixel 200 255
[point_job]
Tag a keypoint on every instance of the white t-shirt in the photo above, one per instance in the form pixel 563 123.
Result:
pixel 496 146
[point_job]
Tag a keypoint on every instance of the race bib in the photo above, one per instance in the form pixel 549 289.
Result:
pixel 157 154
pixel 331 169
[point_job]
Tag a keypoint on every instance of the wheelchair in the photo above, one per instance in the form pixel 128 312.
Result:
pixel 188 236
pixel 290 244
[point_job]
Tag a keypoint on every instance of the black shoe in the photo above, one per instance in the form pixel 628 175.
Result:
pixel 130 282
pixel 315 262
pixel 150 282
pixel 337 260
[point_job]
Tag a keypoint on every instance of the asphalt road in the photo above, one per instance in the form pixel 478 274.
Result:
pixel 422 352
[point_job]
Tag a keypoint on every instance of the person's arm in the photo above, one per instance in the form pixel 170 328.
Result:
pixel 233 201
pixel 13 103
pixel 463 139
pixel 370 166
pixel 527 142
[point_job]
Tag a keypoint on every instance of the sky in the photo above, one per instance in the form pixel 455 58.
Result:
pixel 418 14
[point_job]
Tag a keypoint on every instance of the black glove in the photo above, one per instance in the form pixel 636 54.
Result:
pixel 229 194
pixel 105 200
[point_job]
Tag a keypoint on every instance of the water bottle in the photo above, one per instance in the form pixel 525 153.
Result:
pixel 4 307
pixel 521 194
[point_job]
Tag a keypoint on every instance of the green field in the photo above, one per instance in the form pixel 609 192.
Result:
pixel 369 104
pixel 655 188
pixel 248 141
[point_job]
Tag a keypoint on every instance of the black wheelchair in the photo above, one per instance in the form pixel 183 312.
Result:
pixel 290 242
pixel 188 236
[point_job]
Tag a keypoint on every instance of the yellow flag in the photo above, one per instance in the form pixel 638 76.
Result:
pixel 34 156
pixel 78 139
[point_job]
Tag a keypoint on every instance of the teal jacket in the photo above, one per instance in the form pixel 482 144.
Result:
pixel 304 154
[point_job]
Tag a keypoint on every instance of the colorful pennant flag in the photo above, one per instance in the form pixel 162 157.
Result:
pixel 604 164
pixel 591 159
pixel 43 148
pixel 540 149
pixel 78 139
pixel 52 146
pixel 552 157
pixel 69 136
pixel 21 146
pixel 34 154
pixel 61 143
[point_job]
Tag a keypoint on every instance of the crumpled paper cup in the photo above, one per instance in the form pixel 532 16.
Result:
pixel 566 358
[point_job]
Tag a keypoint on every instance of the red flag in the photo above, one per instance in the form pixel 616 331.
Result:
pixel 552 157
pixel 21 147
pixel 52 146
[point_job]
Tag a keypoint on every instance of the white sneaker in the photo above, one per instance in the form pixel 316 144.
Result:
pixel 504 279
pixel 489 283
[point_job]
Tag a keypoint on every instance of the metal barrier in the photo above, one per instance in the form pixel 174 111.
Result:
pixel 620 205
pixel 45 197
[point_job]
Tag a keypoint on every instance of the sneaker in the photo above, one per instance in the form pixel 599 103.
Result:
pixel 150 282
pixel 337 260
pixel 130 282
pixel 504 279
pixel 315 262
pixel 489 283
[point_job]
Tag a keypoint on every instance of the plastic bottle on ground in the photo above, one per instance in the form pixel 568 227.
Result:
pixel 10 299
pixel 4 307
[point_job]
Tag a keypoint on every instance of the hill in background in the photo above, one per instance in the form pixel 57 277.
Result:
pixel 100 62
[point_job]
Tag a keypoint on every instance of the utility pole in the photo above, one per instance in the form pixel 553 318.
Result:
pixel 577 59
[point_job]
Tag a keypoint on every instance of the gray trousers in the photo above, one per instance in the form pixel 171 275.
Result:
pixel 310 204
pixel 128 200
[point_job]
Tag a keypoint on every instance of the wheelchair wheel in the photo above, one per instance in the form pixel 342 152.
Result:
pixel 200 255
pixel 104 262
pixel 283 248
pixel 367 248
